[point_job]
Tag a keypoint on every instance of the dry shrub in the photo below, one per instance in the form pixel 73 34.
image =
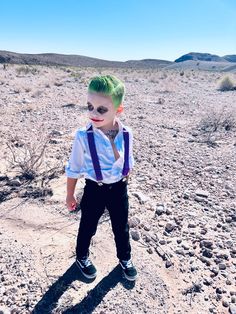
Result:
pixel 226 84
pixel 216 123
pixel 26 70
pixel 27 157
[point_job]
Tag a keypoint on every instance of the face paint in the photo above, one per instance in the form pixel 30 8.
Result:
pixel 101 110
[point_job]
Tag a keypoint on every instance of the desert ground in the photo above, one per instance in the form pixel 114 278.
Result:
pixel 181 192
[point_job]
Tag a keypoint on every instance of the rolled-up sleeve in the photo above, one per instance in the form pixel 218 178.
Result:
pixel 75 163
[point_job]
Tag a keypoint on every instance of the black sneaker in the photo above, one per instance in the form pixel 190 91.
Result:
pixel 129 270
pixel 86 267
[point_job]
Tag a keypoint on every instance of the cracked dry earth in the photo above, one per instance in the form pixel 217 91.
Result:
pixel 182 196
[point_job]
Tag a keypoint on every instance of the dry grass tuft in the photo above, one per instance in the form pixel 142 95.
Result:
pixel 226 84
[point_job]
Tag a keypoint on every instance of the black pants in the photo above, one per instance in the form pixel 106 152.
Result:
pixel 95 198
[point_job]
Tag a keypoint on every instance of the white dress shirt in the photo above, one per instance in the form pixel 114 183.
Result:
pixel 80 162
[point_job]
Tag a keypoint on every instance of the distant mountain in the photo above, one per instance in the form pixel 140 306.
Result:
pixel 192 60
pixel 197 56
pixel 75 60
pixel 230 58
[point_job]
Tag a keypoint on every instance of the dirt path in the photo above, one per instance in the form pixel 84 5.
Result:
pixel 48 239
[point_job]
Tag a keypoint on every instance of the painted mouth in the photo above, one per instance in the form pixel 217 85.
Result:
pixel 96 120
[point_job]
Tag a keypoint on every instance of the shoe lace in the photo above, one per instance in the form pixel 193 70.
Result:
pixel 86 262
pixel 128 263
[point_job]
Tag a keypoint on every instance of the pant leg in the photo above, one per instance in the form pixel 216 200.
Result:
pixel 92 207
pixel 118 206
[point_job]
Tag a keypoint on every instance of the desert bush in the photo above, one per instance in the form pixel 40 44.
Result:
pixel 27 89
pixel 216 123
pixel 226 84
pixel 27 157
pixel 26 70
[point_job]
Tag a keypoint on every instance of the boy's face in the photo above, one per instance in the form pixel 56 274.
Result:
pixel 101 110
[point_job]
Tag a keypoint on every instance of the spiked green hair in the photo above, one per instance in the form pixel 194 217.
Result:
pixel 108 85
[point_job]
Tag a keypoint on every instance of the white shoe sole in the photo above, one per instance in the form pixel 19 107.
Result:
pixel 130 278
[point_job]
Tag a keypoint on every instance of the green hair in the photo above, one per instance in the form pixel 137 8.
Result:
pixel 108 85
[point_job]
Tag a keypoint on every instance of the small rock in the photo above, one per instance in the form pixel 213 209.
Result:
pixel 228 219
pixel 185 246
pixel 186 195
pixel 150 250
pixel 141 197
pixel 218 297
pixel 205 260
pixel 146 227
pixel 3 177
pixel 207 281
pixel 170 226
pixel 222 266
pixel 232 309
pixel 225 303
pixel 199 199
pixel 168 263
pixel 193 268
pixel 134 222
pixel 180 252
pixel 219 290
pixel 192 225
pixel 135 235
pixel 202 193
pixel 56 133
pixel 160 210
pixel 222 254
pixel 207 244
pixel 168 211
pixel 4 310
pixel 14 182
pixel 207 253
pixel 147 238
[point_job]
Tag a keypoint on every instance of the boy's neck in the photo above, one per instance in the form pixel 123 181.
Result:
pixel 113 126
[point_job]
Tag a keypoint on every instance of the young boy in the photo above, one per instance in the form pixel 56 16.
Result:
pixel 102 153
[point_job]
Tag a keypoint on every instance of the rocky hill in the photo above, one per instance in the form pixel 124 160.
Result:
pixel 75 60
pixel 190 61
pixel 196 56
pixel 230 58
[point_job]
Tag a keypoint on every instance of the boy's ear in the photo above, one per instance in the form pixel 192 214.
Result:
pixel 120 108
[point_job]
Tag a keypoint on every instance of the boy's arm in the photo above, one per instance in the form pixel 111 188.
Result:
pixel 70 199
pixel 71 183
pixel 73 169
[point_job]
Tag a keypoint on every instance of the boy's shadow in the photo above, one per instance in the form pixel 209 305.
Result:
pixel 93 298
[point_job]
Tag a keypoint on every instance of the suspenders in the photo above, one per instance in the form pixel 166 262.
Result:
pixel 94 155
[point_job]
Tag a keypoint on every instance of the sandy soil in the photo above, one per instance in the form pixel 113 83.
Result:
pixel 182 195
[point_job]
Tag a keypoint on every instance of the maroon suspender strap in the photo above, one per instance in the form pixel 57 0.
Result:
pixel 125 170
pixel 94 155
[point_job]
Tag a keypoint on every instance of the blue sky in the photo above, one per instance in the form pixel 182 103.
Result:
pixel 119 29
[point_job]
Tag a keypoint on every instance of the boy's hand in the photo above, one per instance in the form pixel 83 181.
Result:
pixel 71 203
